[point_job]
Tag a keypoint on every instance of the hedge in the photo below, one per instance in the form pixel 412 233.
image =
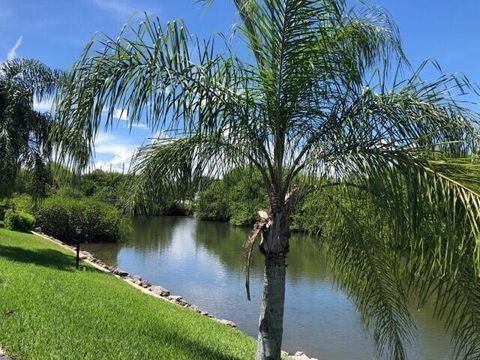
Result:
pixel 18 220
pixel 86 219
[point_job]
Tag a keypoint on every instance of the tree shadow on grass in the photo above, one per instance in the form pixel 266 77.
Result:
pixel 43 257
pixel 190 347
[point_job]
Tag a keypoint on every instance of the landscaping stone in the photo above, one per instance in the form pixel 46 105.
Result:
pixel 300 355
pixel 145 284
pixel 160 291
pixel 227 322
pixel 120 273
pixel 195 308
pixel 137 280
pixel 182 302
pixel 85 255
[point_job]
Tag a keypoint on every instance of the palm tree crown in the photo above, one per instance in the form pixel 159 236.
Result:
pixel 24 132
pixel 328 95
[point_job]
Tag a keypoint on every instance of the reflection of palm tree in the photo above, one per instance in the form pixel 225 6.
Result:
pixel 225 241
pixel 317 101
pixel 306 257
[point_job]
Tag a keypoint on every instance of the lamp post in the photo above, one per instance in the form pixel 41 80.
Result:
pixel 78 231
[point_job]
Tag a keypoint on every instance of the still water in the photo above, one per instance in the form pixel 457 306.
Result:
pixel 204 263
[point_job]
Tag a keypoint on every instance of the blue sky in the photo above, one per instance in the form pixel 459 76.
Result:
pixel 55 32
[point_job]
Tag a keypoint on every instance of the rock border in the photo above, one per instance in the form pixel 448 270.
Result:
pixel 135 281
pixel 146 287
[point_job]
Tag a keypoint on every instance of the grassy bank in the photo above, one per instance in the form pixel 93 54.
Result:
pixel 48 310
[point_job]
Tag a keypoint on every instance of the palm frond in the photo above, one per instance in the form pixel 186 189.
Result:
pixel 165 76
pixel 367 269
pixel 34 76
pixel 178 165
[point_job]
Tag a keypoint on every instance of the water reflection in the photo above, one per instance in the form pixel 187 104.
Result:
pixel 203 262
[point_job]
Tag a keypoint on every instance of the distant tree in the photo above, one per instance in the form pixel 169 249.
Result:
pixel 24 132
pixel 235 198
pixel 320 97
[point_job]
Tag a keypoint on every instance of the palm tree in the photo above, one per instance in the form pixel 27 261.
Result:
pixel 24 132
pixel 326 94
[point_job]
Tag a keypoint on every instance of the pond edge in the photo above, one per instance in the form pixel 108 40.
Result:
pixel 145 287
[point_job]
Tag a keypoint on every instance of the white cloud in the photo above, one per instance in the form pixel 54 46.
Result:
pixel 140 126
pixel 120 114
pixel 115 150
pixel 43 106
pixel 12 54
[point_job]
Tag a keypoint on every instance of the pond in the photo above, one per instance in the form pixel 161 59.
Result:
pixel 204 263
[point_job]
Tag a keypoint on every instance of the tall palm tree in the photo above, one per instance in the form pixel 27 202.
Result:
pixel 326 94
pixel 24 132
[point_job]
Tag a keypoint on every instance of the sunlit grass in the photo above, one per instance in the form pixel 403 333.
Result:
pixel 48 310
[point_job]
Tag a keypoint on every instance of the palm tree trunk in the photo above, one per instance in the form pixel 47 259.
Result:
pixel 274 246
pixel 269 343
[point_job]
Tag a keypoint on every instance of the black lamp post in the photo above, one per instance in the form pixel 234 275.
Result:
pixel 78 232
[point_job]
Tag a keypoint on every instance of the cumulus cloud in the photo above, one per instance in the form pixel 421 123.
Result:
pixel 12 53
pixel 116 152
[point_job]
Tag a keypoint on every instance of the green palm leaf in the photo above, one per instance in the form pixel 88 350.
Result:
pixel 329 96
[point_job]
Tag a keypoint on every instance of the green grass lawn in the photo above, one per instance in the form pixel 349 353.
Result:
pixel 48 310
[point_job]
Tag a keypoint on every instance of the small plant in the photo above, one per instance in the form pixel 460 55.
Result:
pixel 19 220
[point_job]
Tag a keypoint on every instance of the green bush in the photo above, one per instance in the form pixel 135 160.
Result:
pixel 213 202
pixel 235 198
pixel 19 220
pixel 22 202
pixel 86 219
pixel 310 214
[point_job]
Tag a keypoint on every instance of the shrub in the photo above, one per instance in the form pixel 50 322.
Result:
pixel 235 198
pixel 3 210
pixel 19 221
pixel 86 219
pixel 213 202
pixel 22 202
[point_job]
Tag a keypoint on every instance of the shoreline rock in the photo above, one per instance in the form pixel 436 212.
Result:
pixel 300 355
pixel 152 290
pixel 136 281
